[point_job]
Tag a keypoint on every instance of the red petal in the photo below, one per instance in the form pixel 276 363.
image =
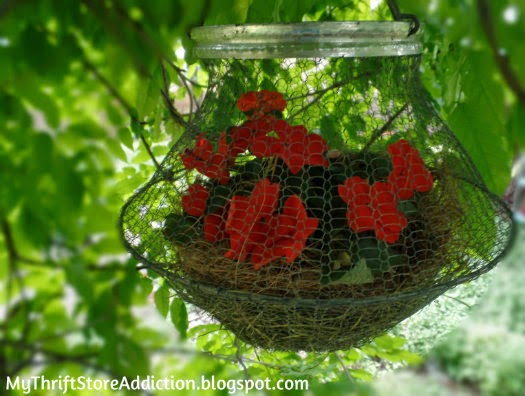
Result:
pixel 401 185
pixel 203 148
pixel 237 213
pixel 355 191
pixel 194 200
pixel 294 161
pixel 188 159
pixel 422 179
pixel 360 218
pixel 399 148
pixel 381 193
pixel 241 137
pixel 247 101
pixel 215 226
pixel 264 199
pixel 223 145
pixel 388 235
pixel 261 102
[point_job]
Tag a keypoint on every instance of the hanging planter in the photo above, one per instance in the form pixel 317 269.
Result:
pixel 317 200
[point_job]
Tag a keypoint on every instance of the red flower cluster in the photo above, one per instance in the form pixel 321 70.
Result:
pixel 375 207
pixel 372 208
pixel 254 227
pixel 409 173
pixel 256 104
pixel 293 145
pixel 215 165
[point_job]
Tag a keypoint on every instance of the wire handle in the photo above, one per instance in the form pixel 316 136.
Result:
pixel 398 16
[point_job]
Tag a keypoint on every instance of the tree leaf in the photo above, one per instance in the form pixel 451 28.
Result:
pixel 162 299
pixel 124 134
pixel 479 132
pixel 179 316
pixel 223 12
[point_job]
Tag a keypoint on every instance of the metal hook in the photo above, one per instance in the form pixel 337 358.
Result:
pixel 398 16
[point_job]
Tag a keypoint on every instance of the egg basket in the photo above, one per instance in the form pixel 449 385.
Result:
pixel 317 199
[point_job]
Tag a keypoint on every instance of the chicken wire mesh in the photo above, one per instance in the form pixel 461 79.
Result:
pixel 317 199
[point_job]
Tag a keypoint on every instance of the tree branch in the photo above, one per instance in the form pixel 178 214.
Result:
pixel 110 88
pixel 379 132
pixel 165 94
pixel 502 60
pixel 13 258
pixel 12 254
pixel 129 109
pixel 240 358
pixel 343 365
pixel 6 7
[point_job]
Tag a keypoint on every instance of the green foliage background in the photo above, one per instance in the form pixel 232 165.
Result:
pixel 80 109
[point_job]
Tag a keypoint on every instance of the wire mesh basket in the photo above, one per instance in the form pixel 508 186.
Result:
pixel 317 199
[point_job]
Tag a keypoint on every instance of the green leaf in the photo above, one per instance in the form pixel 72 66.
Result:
pixel 515 127
pixel 267 11
pixel 78 277
pixel 148 94
pixel 218 198
pixel 179 316
pixel 331 132
pixel 179 228
pixel 162 299
pixel 124 135
pixel 136 126
pixel 42 152
pixel 71 183
pixel 227 12
pixel 202 330
pixel 362 374
pixel 35 227
pixel 261 11
pixel 44 103
pixel 359 274
pixel 132 358
pixel 477 129
pixel 38 53
pixel 294 10
pixel 387 341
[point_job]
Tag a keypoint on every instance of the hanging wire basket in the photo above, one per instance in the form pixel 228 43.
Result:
pixel 317 199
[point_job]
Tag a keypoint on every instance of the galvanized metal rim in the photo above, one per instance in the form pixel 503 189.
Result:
pixel 306 40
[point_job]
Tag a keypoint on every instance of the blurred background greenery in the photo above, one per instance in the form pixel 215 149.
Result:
pixel 81 116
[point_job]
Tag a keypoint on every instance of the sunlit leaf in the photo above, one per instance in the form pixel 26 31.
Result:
pixel 179 316
pixel 162 299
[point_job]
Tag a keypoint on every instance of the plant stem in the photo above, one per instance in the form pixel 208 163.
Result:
pixel 502 60
pixel 377 134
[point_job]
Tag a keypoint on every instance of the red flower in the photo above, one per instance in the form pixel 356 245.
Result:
pixel 388 221
pixel 355 190
pixel 293 145
pixel 372 208
pixel 288 233
pixel 202 158
pixel 254 227
pixel 244 223
pixel 241 137
pixel 409 173
pixel 215 225
pixel 194 200
pixel 256 104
